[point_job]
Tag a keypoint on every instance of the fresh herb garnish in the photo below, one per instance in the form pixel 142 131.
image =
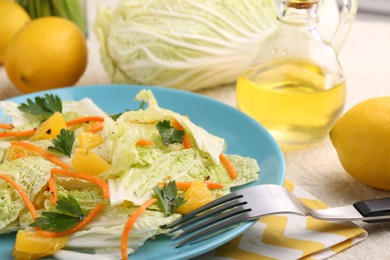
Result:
pixel 169 134
pixel 67 215
pixel 42 106
pixel 142 105
pixel 116 116
pixel 168 198
pixel 63 143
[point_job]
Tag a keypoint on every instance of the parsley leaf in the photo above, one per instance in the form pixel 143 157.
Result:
pixel 42 106
pixel 169 134
pixel 63 143
pixel 116 116
pixel 167 197
pixel 67 215
pixel 142 105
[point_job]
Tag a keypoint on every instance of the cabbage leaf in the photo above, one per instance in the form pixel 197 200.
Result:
pixel 31 174
pixel 184 44
pixel 102 237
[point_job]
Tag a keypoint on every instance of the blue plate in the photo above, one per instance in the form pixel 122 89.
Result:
pixel 243 135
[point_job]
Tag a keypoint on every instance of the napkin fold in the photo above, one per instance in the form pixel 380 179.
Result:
pixel 292 237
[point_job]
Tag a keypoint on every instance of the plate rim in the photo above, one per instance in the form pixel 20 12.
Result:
pixel 87 88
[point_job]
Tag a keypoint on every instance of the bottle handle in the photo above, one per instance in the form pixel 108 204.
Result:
pixel 347 10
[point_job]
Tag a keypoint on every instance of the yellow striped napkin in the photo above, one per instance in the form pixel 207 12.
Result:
pixel 292 237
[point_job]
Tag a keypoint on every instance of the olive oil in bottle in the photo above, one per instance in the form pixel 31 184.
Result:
pixel 292 82
pixel 294 99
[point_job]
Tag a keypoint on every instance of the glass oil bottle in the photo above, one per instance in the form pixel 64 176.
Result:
pixel 293 83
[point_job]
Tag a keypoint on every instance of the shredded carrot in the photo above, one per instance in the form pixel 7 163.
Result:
pixel 22 194
pixel 85 119
pixel 177 125
pixel 144 143
pixel 102 183
pixel 76 228
pixel 53 191
pixel 45 154
pixel 183 185
pixel 129 224
pixel 97 127
pixel 19 154
pixel 213 185
pixel 228 166
pixel 25 133
pixel 186 140
pixel 7 126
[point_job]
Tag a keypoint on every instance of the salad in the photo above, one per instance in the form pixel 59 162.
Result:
pixel 76 181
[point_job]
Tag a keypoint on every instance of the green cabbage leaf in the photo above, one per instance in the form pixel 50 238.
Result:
pixel 102 237
pixel 184 44
pixel 31 174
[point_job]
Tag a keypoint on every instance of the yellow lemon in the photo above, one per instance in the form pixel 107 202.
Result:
pixel 29 245
pixel 13 18
pixel 195 196
pixel 49 52
pixel 361 138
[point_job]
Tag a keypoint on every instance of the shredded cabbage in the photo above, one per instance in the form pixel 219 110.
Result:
pixel 184 44
pixel 31 174
pixel 103 236
pixel 135 171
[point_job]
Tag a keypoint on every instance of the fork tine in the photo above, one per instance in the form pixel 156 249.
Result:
pixel 222 207
pixel 221 200
pixel 201 224
pixel 212 229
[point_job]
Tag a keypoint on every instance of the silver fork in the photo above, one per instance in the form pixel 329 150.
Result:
pixel 261 200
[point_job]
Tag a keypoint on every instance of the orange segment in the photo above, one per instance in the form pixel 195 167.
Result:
pixel 50 128
pixel 39 199
pixel 29 245
pixel 195 196
pixel 89 140
pixel 86 161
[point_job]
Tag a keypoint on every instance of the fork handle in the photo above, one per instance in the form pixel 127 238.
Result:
pixel 374 208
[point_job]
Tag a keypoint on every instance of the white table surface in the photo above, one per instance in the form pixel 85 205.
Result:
pixel 365 59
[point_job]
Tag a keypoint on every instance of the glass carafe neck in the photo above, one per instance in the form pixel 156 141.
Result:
pixel 298 12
